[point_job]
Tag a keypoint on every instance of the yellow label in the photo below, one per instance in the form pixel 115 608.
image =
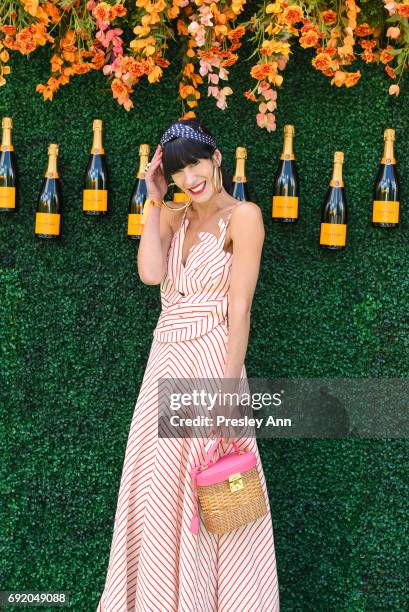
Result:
pixel 333 234
pixel 47 223
pixel 180 196
pixel 285 207
pixel 95 199
pixel 135 224
pixel 385 212
pixel 7 197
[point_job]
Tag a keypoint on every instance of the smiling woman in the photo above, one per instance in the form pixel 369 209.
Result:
pixel 207 262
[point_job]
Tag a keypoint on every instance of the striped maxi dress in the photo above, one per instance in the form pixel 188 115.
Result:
pixel 156 564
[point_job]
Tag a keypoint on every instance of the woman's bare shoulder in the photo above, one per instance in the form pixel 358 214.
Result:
pixel 247 211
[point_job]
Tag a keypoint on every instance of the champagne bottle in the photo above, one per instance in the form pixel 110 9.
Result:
pixel 180 196
pixel 240 191
pixel 138 197
pixel 334 214
pixel 385 205
pixel 8 169
pixel 48 216
pixel 95 193
pixel 286 183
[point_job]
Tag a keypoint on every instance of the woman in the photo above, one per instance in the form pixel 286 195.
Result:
pixel 206 258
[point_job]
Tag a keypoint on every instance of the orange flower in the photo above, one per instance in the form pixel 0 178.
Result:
pixel 329 16
pixel 120 89
pixel 250 96
pixel 390 72
pixel 339 78
pixel 394 90
pixel 364 30
pixel 309 39
pixel 352 78
pixel 367 44
pixel 403 10
pixel 118 10
pixel 385 56
pixel 9 29
pixel 230 61
pixel 237 33
pixel 103 12
pixel 293 14
pixel 188 115
pixel 368 56
pixel 322 61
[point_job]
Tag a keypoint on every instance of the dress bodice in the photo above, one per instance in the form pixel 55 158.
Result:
pixel 194 296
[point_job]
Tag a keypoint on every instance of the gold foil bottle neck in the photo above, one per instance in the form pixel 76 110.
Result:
pixel 388 156
pixel 337 180
pixel 97 145
pixel 7 122
pixel 144 149
pixel 52 171
pixel 288 151
pixel 241 153
pixel 389 134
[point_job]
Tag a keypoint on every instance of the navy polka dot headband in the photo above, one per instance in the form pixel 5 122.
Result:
pixel 186 131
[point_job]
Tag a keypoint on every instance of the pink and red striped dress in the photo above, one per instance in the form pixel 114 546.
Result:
pixel 156 564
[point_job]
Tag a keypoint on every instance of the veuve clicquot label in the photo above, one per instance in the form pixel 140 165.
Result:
pixel 385 204
pixel 334 213
pixel 139 195
pixel 95 192
pixel 240 190
pixel 286 183
pixel 8 170
pixel 48 216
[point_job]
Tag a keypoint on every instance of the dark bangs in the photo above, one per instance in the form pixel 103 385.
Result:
pixel 182 152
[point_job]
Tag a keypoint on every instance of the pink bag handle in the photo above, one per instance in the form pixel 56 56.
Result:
pixel 212 449
pixel 194 523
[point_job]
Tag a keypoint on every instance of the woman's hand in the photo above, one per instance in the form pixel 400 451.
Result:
pixel 226 433
pixel 156 183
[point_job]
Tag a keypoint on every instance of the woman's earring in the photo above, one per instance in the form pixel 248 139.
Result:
pixel 217 178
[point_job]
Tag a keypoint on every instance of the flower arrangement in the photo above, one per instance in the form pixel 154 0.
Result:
pixel 86 35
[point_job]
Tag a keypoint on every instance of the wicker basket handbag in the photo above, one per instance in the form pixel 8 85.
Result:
pixel 229 491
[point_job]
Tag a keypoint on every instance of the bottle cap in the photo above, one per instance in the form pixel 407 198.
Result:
pixel 241 153
pixel 339 156
pixel 144 149
pixel 97 124
pixel 389 134
pixel 7 122
pixel 289 129
pixel 53 149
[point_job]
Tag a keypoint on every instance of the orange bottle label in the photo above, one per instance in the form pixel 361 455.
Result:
pixel 7 197
pixel 385 212
pixel 135 225
pixel 95 199
pixel 285 207
pixel 333 234
pixel 47 223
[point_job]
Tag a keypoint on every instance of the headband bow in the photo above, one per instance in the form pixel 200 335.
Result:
pixel 179 129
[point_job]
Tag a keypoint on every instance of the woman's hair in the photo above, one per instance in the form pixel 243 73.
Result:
pixel 181 152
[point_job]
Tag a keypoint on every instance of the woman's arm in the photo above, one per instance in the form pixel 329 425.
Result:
pixel 247 232
pixel 154 244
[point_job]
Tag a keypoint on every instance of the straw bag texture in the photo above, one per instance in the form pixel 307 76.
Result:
pixel 229 491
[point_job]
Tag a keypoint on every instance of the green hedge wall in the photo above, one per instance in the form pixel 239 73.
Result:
pixel 77 326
